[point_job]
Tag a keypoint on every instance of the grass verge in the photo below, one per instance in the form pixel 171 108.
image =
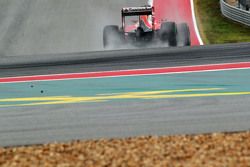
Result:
pixel 215 28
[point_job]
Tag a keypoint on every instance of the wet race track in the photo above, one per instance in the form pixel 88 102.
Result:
pixel 32 27
pixel 149 102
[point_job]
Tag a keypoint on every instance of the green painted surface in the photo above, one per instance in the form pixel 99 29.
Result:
pixel 225 81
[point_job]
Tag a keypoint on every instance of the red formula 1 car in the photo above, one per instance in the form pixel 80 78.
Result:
pixel 145 30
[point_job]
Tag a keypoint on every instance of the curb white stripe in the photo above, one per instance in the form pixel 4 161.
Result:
pixel 195 23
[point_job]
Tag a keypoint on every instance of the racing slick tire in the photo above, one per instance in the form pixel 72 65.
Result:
pixel 112 37
pixel 168 33
pixel 183 35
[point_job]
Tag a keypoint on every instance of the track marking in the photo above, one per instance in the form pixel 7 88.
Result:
pixel 195 23
pixel 163 94
pixel 58 98
pixel 133 72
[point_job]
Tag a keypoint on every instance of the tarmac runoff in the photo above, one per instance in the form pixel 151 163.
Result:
pixel 125 106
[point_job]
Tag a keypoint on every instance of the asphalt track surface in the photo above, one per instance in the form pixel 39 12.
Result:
pixel 126 117
pixel 122 60
pixel 35 27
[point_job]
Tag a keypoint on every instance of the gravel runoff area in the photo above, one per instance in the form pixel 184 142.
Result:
pixel 218 149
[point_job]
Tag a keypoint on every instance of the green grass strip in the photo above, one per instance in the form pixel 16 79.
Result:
pixel 215 28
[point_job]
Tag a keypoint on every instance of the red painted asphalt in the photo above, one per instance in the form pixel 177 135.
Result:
pixel 178 11
pixel 136 72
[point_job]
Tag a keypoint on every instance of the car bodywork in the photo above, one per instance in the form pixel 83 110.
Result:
pixel 144 31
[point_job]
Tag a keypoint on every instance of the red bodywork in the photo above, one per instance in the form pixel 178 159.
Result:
pixel 147 21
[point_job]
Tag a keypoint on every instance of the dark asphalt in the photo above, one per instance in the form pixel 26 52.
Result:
pixel 123 59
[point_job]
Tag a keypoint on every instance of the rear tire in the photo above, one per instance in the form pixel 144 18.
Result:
pixel 168 33
pixel 112 38
pixel 183 35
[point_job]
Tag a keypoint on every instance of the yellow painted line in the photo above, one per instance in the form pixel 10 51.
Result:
pixel 129 94
pixel 164 91
pixel 36 99
pixel 197 95
pixel 133 95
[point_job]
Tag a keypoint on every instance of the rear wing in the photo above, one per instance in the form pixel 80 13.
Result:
pixel 137 11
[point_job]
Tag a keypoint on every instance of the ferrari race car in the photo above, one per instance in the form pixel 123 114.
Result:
pixel 145 30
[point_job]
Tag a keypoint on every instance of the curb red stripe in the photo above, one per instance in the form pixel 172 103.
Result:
pixel 135 72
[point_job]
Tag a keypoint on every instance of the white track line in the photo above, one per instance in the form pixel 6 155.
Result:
pixel 195 23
